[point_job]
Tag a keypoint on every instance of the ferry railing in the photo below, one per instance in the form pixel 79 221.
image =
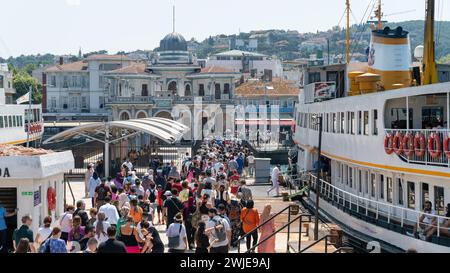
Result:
pixel 426 159
pixel 379 209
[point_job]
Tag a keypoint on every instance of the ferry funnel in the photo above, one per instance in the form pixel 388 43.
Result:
pixel 390 57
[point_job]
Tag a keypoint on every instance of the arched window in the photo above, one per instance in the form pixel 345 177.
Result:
pixel 187 90
pixel 124 116
pixel 217 91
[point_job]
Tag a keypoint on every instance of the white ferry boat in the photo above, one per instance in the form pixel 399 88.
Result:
pixel 385 144
pixel 17 119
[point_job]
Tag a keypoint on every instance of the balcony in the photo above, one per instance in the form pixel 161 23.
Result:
pixel 129 100
pixel 419 150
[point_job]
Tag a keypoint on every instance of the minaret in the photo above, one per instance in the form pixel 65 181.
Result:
pixel 173 17
pixel 79 53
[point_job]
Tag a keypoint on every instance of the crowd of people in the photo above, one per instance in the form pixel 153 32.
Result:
pixel 204 205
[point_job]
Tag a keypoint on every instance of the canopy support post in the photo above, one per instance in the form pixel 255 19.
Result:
pixel 106 159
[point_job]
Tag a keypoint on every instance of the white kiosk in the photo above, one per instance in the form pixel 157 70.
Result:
pixel 34 183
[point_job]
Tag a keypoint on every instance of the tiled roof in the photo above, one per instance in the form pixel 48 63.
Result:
pixel 107 57
pixel 136 68
pixel 258 88
pixel 216 69
pixel 69 67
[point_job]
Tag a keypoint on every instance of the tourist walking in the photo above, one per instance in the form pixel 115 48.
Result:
pixel 111 245
pixel 201 239
pixel 65 222
pixel 266 230
pixel 101 226
pixel 110 211
pixel 219 232
pixel 129 235
pixel 54 244
pixel 80 211
pixel 94 181
pixel 176 233
pixel 275 177
pixel 4 228
pixel 250 220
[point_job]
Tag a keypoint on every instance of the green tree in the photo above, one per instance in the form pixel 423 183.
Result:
pixel 22 81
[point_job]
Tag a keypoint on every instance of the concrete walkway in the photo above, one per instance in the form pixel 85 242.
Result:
pixel 261 199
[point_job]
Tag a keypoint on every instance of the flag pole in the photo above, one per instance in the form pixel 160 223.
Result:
pixel 29 116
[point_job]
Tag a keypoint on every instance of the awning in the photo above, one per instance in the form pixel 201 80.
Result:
pixel 165 129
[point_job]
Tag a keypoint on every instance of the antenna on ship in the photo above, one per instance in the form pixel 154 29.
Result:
pixel 429 57
pixel 347 3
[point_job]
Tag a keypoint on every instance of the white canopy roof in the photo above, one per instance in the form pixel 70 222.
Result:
pixel 165 129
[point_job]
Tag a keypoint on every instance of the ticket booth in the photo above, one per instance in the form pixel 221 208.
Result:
pixel 33 184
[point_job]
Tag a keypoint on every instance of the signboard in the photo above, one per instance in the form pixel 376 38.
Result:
pixel 4 172
pixel 37 197
pixel 320 91
pixel 163 103
pixel 27 193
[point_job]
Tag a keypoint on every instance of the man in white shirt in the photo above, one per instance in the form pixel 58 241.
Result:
pixel 128 164
pixel 275 185
pixel 110 211
pixel 215 220
pixel 251 164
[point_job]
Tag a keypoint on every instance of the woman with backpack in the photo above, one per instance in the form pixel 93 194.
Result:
pixel 176 233
pixel 54 244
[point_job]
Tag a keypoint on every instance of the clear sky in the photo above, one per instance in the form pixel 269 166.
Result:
pixel 62 26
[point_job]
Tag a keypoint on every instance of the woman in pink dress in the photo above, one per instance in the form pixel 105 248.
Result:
pixel 266 230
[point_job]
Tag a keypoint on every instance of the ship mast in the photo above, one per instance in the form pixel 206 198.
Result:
pixel 347 3
pixel 429 61
pixel 379 15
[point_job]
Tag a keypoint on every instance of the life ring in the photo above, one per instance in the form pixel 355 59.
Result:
pixel 446 146
pixel 397 143
pixel 388 142
pixel 419 145
pixel 408 144
pixel 51 198
pixel 434 138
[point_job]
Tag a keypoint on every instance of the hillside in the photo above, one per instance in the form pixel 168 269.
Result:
pixel 290 44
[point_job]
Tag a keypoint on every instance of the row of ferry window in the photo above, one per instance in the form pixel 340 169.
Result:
pixel 342 122
pixel 10 121
pixel 380 187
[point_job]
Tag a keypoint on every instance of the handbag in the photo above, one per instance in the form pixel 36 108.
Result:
pixel 174 241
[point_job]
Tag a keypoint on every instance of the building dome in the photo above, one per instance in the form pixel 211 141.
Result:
pixel 173 42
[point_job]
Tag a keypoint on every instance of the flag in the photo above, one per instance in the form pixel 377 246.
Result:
pixel 24 98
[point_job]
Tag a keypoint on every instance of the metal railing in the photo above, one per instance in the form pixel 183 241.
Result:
pixel 324 238
pixel 426 159
pixel 288 226
pixel 390 212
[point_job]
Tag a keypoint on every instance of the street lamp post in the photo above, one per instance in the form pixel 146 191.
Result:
pixel 319 165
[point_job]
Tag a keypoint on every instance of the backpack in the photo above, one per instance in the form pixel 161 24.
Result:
pixel 175 240
pixel 101 193
pixel 220 232
pixel 152 196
